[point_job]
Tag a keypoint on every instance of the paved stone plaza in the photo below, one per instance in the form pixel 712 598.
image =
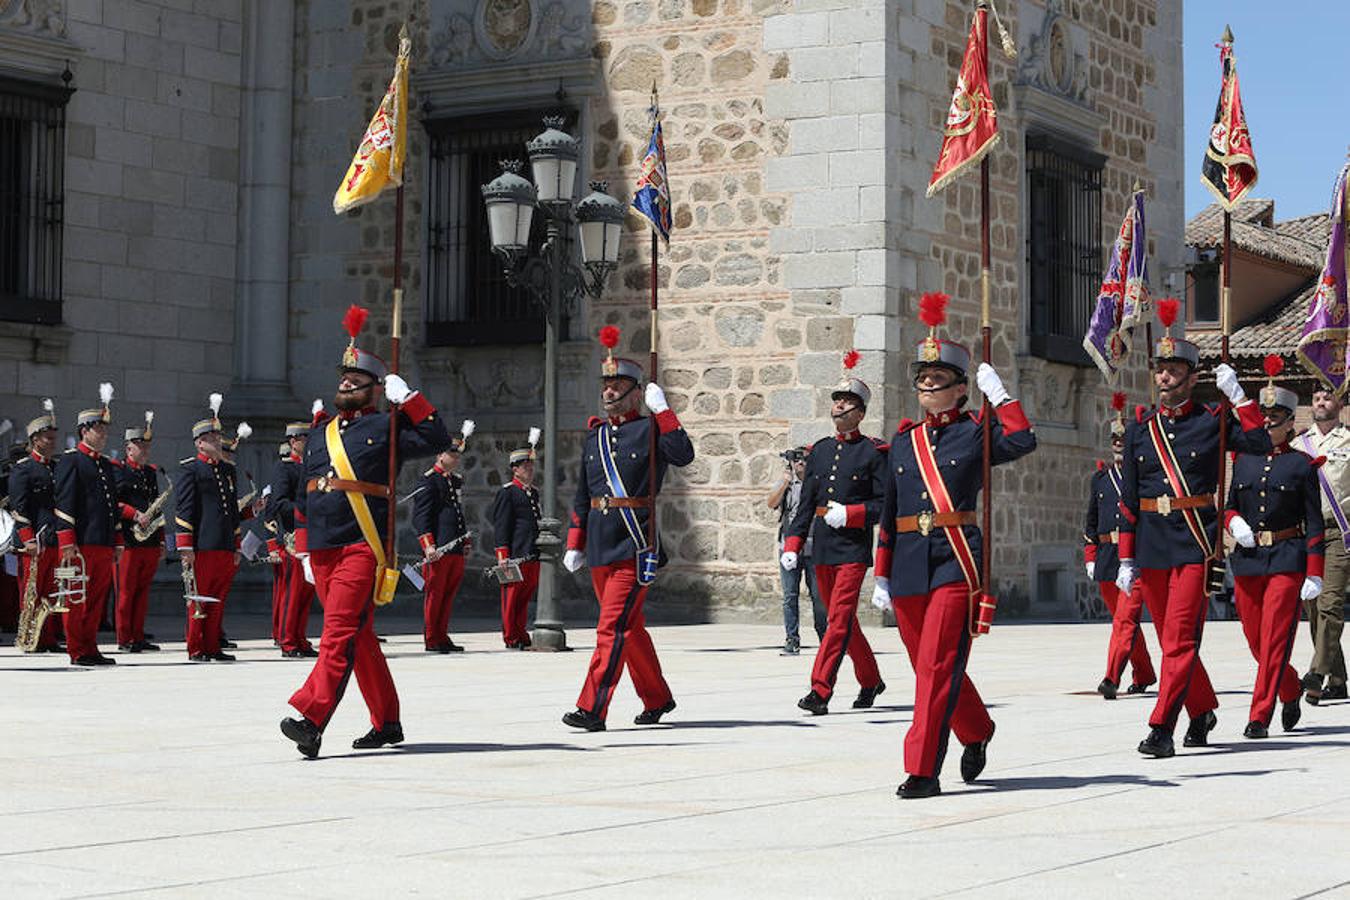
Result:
pixel 161 778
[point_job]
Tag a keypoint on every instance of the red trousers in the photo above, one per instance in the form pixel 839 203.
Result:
pixel 215 573
pixel 935 628
pixel 345 579
pixel 134 574
pixel 1176 599
pixel 296 603
pixel 1127 638
pixel 1269 607
pixel 442 583
pixel 516 603
pixel 280 587
pixel 838 587
pixel 83 618
pixel 46 569
pixel 621 640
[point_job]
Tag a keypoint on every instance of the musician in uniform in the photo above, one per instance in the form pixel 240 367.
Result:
pixel 929 547
pixel 276 551
pixel 1329 439
pixel 1101 539
pixel 1275 516
pixel 32 499
pixel 293 595
pixel 1168 524
pixel 137 491
pixel 340 517
pixel 608 532
pixel 87 514
pixel 515 533
pixel 841 500
pixel 438 519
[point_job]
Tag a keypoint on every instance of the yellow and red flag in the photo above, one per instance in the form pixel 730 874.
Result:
pixel 1229 169
pixel 972 121
pixel 378 162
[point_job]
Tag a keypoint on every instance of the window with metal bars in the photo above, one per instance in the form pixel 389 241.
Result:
pixel 468 298
pixel 1064 245
pixel 32 196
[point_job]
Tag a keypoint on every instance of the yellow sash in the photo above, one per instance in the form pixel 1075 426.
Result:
pixel 386 581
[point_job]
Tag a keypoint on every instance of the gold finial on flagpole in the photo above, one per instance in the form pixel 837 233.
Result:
pixel 1227 35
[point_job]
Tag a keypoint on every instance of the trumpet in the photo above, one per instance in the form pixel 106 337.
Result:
pixel 193 599
pixel 72 583
pixel 155 513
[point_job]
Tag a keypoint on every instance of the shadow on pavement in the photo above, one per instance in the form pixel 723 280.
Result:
pixel 742 723
pixel 1066 783
pixel 433 747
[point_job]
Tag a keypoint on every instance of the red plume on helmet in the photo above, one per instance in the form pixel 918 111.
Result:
pixel 609 336
pixel 933 308
pixel 1168 307
pixel 851 359
pixel 1118 401
pixel 355 320
pixel 1273 364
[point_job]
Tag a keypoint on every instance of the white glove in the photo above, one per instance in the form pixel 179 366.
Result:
pixel 836 514
pixel 1312 587
pixel 881 594
pixel 656 398
pixel 396 389
pixel 990 384
pixel 1091 569
pixel 788 560
pixel 1226 380
pixel 1126 576
pixel 1242 532
pixel 573 560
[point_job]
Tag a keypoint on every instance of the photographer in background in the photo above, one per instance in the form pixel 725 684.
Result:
pixel 785 498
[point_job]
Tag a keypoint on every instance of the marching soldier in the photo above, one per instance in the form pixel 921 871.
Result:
pixel 843 488
pixel 1168 524
pixel 294 593
pixel 32 498
pixel 1101 538
pixel 929 546
pixel 614 499
pixel 515 532
pixel 1328 438
pixel 137 490
pixel 438 519
pixel 87 514
pixel 276 551
pixel 340 517
pixel 207 515
pixel 1275 516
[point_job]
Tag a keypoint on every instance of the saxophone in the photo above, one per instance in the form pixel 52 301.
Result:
pixel 155 512
pixel 33 610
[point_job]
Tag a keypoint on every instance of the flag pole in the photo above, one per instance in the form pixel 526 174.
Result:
pixel 389 538
pixel 1225 409
pixel 986 341
pixel 652 362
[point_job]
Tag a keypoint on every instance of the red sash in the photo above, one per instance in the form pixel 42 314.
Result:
pixel 1172 469
pixel 981 604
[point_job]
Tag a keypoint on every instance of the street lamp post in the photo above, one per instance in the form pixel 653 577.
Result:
pixel 554 282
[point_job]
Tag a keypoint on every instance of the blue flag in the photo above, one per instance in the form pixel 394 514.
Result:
pixel 652 197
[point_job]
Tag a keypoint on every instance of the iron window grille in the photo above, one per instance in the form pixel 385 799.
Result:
pixel 1064 245
pixel 32 198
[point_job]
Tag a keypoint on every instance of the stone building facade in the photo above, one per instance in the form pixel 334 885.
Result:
pixel 205 140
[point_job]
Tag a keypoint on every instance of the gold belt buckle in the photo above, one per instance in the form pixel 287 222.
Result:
pixel 321 484
pixel 1165 505
pixel 1265 538
pixel 925 522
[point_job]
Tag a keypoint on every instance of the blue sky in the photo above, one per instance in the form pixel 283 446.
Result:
pixel 1291 65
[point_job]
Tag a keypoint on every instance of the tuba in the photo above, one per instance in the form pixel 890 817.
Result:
pixel 156 513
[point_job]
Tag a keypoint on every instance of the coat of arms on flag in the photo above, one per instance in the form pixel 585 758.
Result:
pixel 1122 301
pixel 1229 168
pixel 378 162
pixel 652 196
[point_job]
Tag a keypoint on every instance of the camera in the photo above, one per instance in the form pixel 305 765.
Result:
pixel 795 455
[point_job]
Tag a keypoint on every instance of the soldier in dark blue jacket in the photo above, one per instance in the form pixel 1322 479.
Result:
pixel 1169 524
pixel 293 595
pixel 840 504
pixel 1275 516
pixel 438 519
pixel 614 501
pixel 1101 540
pixel 515 534
pixel 341 518
pixel 32 501
pixel 87 514
pixel 137 490
pixel 929 546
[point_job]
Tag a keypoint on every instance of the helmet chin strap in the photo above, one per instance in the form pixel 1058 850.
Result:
pixel 620 397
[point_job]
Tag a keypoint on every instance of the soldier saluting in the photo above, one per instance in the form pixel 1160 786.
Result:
pixel 841 501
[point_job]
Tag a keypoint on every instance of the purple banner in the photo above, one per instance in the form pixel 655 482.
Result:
pixel 1322 348
pixel 1122 302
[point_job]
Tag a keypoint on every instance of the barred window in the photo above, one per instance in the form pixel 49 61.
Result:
pixel 32 170
pixel 468 299
pixel 1064 245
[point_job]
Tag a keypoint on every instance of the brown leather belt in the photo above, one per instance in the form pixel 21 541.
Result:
pixel 1111 537
pixel 325 485
pixel 604 503
pixel 925 522
pixel 1165 505
pixel 1268 538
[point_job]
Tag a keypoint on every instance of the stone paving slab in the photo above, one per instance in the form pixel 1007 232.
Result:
pixel 161 778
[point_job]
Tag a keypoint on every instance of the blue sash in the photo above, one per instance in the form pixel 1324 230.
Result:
pixel 646 556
